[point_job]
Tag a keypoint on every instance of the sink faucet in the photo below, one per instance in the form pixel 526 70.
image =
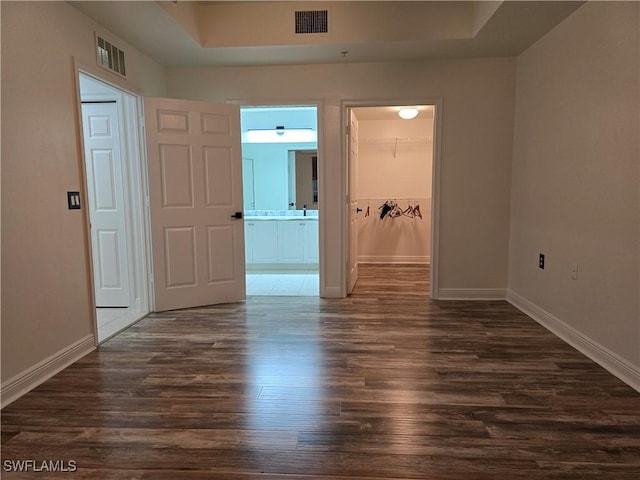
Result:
pixel 304 210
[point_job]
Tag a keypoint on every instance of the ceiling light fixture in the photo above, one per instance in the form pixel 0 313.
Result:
pixel 279 134
pixel 408 113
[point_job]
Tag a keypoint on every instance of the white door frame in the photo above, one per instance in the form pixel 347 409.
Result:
pixel 132 130
pixel 319 105
pixel 346 106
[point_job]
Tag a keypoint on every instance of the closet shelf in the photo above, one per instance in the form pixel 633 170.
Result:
pixel 395 141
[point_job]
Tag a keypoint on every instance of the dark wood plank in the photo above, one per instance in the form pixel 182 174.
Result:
pixel 385 384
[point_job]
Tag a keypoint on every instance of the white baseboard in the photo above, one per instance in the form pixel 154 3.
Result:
pixel 472 294
pixel 397 259
pixel 26 381
pixel 331 292
pixel 604 357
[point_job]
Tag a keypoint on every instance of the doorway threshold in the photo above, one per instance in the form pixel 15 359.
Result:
pixel 112 321
pixel 290 283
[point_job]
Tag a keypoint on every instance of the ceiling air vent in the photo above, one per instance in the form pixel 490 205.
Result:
pixel 110 57
pixel 312 21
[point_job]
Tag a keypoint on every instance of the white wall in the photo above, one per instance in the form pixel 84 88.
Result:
pixel 575 191
pixel 478 106
pixel 395 160
pixel 46 300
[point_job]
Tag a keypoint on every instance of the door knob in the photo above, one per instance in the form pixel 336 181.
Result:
pixel 237 215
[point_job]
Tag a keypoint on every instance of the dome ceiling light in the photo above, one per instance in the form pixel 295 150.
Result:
pixel 408 113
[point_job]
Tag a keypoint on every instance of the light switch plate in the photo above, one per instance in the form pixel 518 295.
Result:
pixel 73 200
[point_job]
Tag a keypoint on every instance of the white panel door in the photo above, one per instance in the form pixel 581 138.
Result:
pixel 352 274
pixel 195 189
pixel 107 209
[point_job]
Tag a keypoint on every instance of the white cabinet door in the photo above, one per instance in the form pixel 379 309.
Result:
pixel 248 242
pixel 310 243
pixel 281 241
pixel 264 242
pixel 289 241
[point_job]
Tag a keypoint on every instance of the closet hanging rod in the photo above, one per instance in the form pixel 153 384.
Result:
pixel 396 199
pixel 395 140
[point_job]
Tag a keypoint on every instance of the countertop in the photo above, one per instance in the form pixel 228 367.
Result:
pixel 290 218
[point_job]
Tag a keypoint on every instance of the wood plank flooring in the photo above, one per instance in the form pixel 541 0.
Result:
pixel 386 384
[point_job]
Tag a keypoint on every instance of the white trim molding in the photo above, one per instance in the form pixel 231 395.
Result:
pixel 331 292
pixel 472 294
pixel 604 357
pixel 26 381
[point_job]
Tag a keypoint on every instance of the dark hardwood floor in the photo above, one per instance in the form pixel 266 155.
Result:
pixel 386 384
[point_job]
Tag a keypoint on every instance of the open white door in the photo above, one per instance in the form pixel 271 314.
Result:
pixel 195 189
pixel 103 165
pixel 352 274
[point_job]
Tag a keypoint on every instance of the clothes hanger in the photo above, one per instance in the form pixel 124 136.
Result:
pixel 409 210
pixel 416 210
pixel 386 208
pixel 396 211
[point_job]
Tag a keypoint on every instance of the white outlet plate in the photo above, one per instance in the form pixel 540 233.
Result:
pixel 574 271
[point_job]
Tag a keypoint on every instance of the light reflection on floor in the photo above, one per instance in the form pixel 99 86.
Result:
pixel 287 366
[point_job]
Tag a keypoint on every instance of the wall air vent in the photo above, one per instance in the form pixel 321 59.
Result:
pixel 110 57
pixel 312 21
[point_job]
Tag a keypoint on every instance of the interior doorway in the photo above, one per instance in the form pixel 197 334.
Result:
pixel 280 183
pixel 115 201
pixel 390 171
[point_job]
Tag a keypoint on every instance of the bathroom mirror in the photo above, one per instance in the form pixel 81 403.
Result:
pixel 303 180
pixel 279 179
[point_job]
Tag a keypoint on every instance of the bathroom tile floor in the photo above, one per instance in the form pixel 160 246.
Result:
pixel 113 320
pixel 301 284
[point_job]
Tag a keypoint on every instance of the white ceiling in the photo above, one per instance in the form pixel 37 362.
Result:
pixel 193 34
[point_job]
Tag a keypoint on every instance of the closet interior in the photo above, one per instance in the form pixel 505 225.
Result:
pixel 393 185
